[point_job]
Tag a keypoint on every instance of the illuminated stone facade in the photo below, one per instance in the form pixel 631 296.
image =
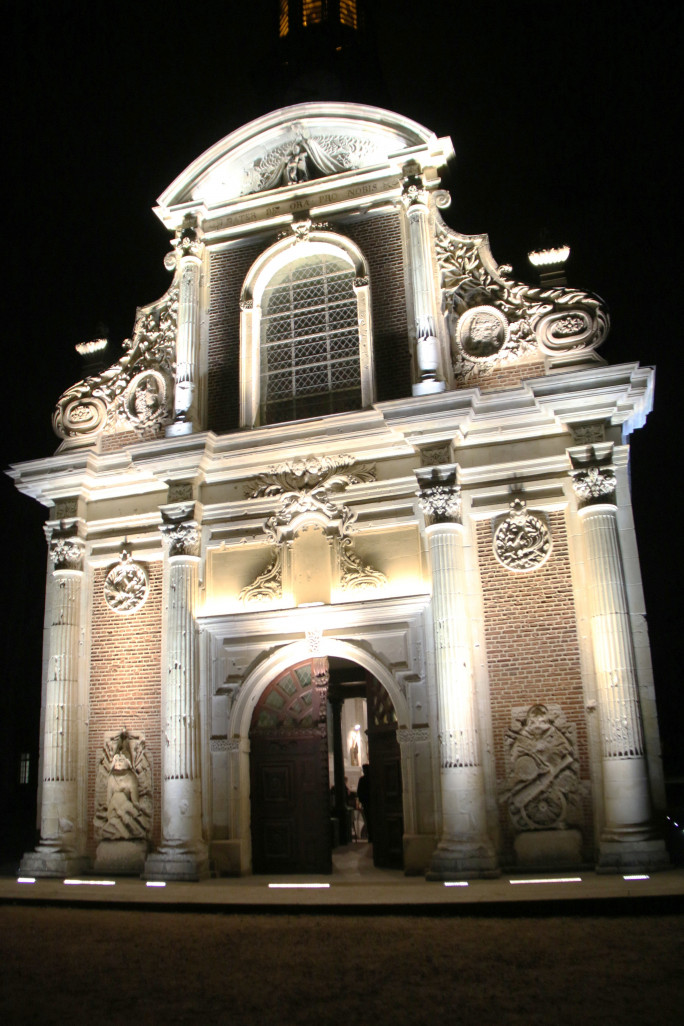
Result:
pixel 345 433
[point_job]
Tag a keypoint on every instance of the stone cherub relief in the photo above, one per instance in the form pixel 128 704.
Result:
pixel 123 789
pixel 543 787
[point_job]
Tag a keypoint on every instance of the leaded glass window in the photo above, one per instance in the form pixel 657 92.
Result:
pixel 309 361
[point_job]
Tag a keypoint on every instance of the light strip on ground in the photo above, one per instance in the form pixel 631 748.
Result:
pixel 637 876
pixel 455 883
pixel 91 883
pixel 156 883
pixel 552 880
pixel 298 886
pixel 26 879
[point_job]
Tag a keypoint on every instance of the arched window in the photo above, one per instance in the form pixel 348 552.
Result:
pixel 305 347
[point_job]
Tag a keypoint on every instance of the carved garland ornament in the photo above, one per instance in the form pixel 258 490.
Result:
pixel 306 473
pixel 313 477
pixel 495 320
pixel 522 541
pixel 134 393
pixel 127 585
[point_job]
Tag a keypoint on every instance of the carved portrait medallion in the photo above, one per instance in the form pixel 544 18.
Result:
pixel 145 400
pixel 482 331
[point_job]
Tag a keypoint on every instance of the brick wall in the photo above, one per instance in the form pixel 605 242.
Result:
pixel 533 650
pixel 125 682
pixel 379 239
pixel 508 376
pixel 228 269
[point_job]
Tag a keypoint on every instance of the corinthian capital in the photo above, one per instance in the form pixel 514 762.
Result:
pixel 66 548
pixel 593 479
pixel 181 534
pixel 440 496
pixel 188 240
pixel 413 192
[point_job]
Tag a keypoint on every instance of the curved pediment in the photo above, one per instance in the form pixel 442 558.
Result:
pixel 295 144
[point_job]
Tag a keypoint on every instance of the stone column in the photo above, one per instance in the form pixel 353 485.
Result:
pixel 182 854
pixel 414 198
pixel 189 247
pixel 628 840
pixel 62 832
pixel 464 850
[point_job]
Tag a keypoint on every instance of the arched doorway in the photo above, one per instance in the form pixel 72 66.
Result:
pixel 298 773
pixel 290 817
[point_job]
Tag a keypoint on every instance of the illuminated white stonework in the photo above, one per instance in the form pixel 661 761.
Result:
pixel 265 544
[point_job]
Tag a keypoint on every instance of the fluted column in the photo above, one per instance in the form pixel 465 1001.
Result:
pixel 182 854
pixel 464 848
pixel 628 840
pixel 428 360
pixel 62 834
pixel 189 247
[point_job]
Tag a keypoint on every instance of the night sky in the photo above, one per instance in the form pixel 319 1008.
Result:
pixel 563 120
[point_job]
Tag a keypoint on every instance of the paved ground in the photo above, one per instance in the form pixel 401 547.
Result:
pixel 368 947
pixel 356 884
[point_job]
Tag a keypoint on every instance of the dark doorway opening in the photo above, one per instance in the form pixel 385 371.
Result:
pixel 301 807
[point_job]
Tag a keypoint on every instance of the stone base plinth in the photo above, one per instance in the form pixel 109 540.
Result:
pixel 418 851
pixel 53 864
pixel 428 387
pixel 227 858
pixel 173 865
pixel 453 861
pixel 632 856
pixel 179 427
pixel 120 858
pixel 548 849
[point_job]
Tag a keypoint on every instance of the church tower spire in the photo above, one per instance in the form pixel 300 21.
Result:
pixel 327 51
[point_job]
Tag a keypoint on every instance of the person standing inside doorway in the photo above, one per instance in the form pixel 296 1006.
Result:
pixel 363 794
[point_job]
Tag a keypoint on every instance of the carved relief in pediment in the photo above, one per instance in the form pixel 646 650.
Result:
pixel 136 392
pixel 494 320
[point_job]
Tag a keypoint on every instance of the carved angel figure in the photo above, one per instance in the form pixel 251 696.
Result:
pixel 123 789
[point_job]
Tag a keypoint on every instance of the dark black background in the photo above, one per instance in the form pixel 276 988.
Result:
pixel 564 119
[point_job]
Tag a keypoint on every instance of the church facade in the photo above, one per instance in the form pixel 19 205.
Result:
pixel 352 494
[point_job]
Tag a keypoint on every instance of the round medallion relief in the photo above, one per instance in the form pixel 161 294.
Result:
pixel 522 541
pixel 126 586
pixel 482 331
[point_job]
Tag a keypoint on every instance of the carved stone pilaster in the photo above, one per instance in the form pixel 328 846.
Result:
pixel 629 840
pixel 414 199
pixel 62 833
pixel 464 849
pixel 189 250
pixel 182 853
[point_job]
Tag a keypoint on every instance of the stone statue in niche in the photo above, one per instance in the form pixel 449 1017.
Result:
pixel 123 803
pixel 543 786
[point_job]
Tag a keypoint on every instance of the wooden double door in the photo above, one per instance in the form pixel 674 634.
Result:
pixel 289 775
